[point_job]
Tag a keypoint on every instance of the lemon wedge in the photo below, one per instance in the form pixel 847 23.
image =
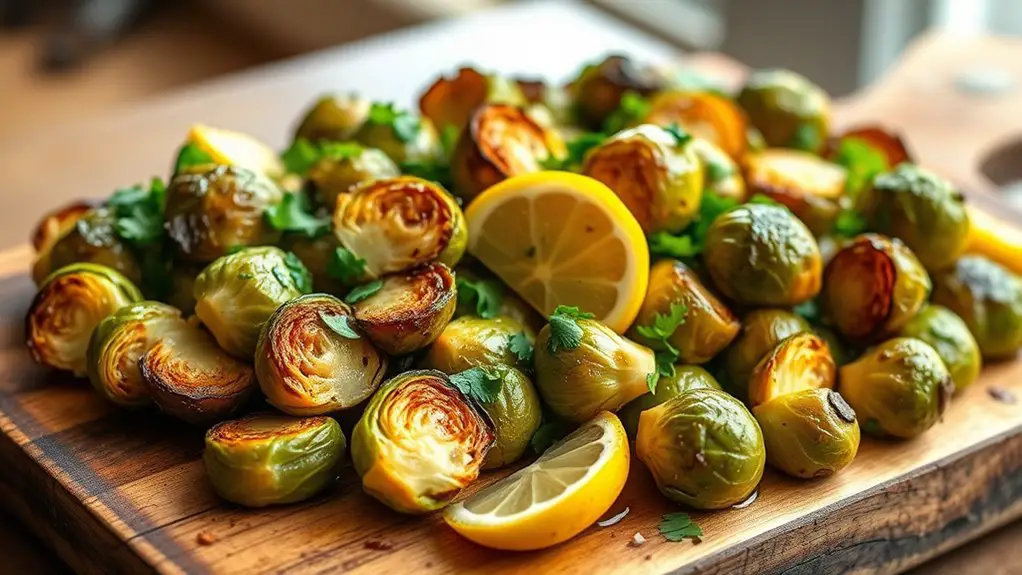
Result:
pixel 562 238
pixel 566 490
pixel 237 149
pixel 994 238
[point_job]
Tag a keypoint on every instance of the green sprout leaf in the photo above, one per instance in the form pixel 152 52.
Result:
pixel 339 324
pixel 481 383
pixel 359 293
pixel 191 155
pixel 765 200
pixel 565 332
pixel 485 295
pixel 139 213
pixel 678 527
pixel 717 171
pixel 346 266
pixel 292 214
pixel 520 345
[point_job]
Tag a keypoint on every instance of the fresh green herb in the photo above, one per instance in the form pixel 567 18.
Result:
pixel 485 295
pixel 681 137
pixel 665 360
pixel 809 310
pixel 302 155
pixel 577 150
pixel 346 266
pixel 191 155
pixel 849 223
pixel 660 332
pixel 449 135
pixel 339 324
pixel 716 171
pixel 292 214
pixel 359 293
pixel 806 137
pixel 520 345
pixel 405 126
pixel 299 273
pixel 139 213
pixel 432 170
pixel 863 162
pixel 633 108
pixel 481 383
pixel 548 433
pixel 235 249
pixel 765 200
pixel 678 527
pixel 666 244
pixel 691 242
pixel 565 332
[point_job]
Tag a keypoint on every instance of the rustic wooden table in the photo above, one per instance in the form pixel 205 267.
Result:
pixel 92 157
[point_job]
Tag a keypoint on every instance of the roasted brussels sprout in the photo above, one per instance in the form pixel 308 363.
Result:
pixel 403 137
pixel 499 141
pixel 599 88
pixel 760 254
pixel 333 176
pixel 899 388
pixel 951 339
pixel 686 378
pixel 51 228
pixel 988 298
pixel 419 442
pixel 515 414
pixel 237 293
pixel 708 327
pixel 451 101
pixel 873 287
pixel 810 433
pixel 703 448
pixel 119 341
pixel 788 109
pixel 93 239
pixel 334 117
pixel 266 459
pixel 703 114
pixel 212 209
pixel 469 341
pixel 656 173
pixel 192 379
pixel 311 360
pixel 923 210
pixel 721 174
pixel 316 254
pixel 808 185
pixel 400 223
pixel 69 305
pixel 801 361
pixel 762 331
pixel 603 372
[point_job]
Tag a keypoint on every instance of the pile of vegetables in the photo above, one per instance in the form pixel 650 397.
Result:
pixel 320 304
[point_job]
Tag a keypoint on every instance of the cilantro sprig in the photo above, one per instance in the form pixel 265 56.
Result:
pixel 577 149
pixel 565 333
pixel 520 345
pixel 293 214
pixel 139 213
pixel 483 295
pixel 678 527
pixel 302 155
pixel 481 383
pixel 691 242
pixel 405 126
pixel 660 332
pixel 862 161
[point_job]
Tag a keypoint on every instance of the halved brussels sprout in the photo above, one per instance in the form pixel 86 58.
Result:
pixel 93 239
pixel 686 378
pixel 873 287
pixel 950 338
pixel 808 185
pixel 499 141
pixel 316 255
pixel 410 310
pixel 69 305
pixel 310 360
pixel 515 414
pixel 212 209
pixel 419 442
pixel 469 341
pixel 656 173
pixel 788 109
pixel 117 343
pixel 703 114
pixel 599 88
pixel 810 433
pixel 762 331
pixel 899 388
pixel 334 117
pixel 923 210
pixel 602 373
pixel 403 137
pixel 237 293
pixel 333 176
pixel 709 325
pixel 451 101
pixel 400 223
pixel 56 223
pixel 759 254
pixel 267 459
pixel 988 298
pixel 192 379
pixel 721 174
pixel 703 448
pixel 800 362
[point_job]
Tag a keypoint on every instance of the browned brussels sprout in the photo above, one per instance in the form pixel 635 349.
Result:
pixel 923 210
pixel 703 114
pixel 810 433
pixel 599 88
pixel 332 176
pixel 762 255
pixel 988 298
pixel 192 379
pixel 213 209
pixel 873 287
pixel 451 101
pixel 721 174
pixel 92 239
pixel 470 341
pixel 762 331
pixel 499 141
pixel 685 378
pixel 402 136
pixel 800 362
pixel 709 326
pixel 514 411
pixel 311 360
pixel 808 185
pixel 655 171
pixel 951 339
pixel 899 388
pixel 788 109
pixel 51 228
pixel 334 117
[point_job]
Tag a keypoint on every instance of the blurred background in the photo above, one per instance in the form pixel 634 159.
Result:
pixel 60 59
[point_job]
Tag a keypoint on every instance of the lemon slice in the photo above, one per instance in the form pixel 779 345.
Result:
pixel 237 149
pixel 566 490
pixel 994 238
pixel 562 238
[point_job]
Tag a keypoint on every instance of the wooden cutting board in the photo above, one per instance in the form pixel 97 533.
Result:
pixel 124 492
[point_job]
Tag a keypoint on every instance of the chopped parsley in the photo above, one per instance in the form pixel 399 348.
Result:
pixel 405 126
pixel 302 155
pixel 633 108
pixel 660 332
pixel 481 383
pixel 577 150
pixel 565 332
pixel 139 213
pixel 520 345
pixel 299 274
pixel 292 214
pixel 691 242
pixel 346 266
pixel 484 295
pixel 678 527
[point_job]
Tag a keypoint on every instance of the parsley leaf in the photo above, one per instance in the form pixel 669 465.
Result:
pixel 292 214
pixel 691 242
pixel 633 108
pixel 485 295
pixel 302 155
pixel 862 161
pixel 572 312
pixel 681 137
pixel 660 331
pixel 666 244
pixel 339 324
pixel 346 266
pixel 565 332
pixel 520 345
pixel 849 223
pixel 405 126
pixel 191 155
pixel 717 171
pixel 678 527
pixel 765 200
pixel 577 150
pixel 363 291
pixel 548 433
pixel 299 273
pixel 139 213
pixel 483 384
